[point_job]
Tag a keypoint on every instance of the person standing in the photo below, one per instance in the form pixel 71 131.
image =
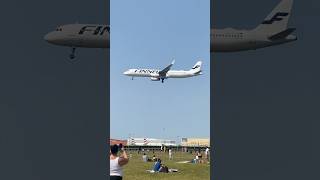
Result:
pixel 170 154
pixel 117 162
pixel 144 157
pixel 207 153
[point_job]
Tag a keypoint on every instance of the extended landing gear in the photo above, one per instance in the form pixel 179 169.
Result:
pixel 73 52
pixel 72 56
pixel 132 78
pixel 162 79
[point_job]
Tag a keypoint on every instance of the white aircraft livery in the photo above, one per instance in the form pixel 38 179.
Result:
pixel 272 31
pixel 157 75
pixel 80 35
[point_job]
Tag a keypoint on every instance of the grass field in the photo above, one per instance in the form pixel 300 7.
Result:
pixel 136 168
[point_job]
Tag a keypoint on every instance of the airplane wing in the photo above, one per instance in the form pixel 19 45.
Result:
pixel 163 72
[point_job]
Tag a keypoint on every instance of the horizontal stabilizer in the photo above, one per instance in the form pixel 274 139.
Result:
pixel 282 34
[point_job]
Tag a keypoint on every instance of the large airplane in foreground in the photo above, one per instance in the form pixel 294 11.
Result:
pixel 157 75
pixel 80 35
pixel 272 31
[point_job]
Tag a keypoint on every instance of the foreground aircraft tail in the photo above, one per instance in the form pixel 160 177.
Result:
pixel 196 68
pixel 277 21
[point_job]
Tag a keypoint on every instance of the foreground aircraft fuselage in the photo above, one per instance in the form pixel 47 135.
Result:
pixel 232 40
pixel 272 31
pixel 80 35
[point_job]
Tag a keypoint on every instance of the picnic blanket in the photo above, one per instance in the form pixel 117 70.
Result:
pixel 170 171
pixel 183 162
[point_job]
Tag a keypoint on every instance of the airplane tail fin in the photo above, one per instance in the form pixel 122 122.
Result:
pixel 277 20
pixel 197 67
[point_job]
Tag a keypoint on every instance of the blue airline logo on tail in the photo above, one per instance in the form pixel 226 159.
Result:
pixel 197 66
pixel 277 17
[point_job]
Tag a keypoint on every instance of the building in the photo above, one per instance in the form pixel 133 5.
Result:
pixel 195 142
pixel 150 142
pixel 117 141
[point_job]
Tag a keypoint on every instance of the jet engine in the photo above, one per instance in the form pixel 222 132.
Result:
pixel 155 79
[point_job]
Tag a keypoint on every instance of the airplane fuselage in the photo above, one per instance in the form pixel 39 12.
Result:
pixel 232 40
pixel 222 40
pixel 154 73
pixel 81 35
pixel 273 30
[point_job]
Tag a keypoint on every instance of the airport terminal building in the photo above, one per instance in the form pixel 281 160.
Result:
pixel 150 142
pixel 154 144
pixel 195 142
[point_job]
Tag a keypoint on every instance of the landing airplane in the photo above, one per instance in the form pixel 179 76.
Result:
pixel 272 31
pixel 157 75
pixel 80 35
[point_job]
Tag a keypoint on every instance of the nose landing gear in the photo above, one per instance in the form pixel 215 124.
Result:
pixel 73 52
pixel 72 56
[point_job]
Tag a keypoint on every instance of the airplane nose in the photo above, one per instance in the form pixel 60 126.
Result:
pixel 51 37
pixel 126 73
pixel 47 37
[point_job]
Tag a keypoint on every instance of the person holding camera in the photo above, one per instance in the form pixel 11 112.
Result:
pixel 117 162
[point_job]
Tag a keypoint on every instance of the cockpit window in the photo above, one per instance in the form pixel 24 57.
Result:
pixel 59 29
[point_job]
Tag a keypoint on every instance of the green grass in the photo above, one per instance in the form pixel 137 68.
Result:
pixel 136 168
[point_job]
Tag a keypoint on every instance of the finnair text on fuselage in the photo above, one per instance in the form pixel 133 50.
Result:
pixel 145 71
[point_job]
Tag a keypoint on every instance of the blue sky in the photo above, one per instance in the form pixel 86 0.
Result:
pixel 148 34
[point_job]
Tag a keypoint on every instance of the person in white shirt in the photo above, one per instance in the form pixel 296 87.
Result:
pixel 170 154
pixel 144 157
pixel 207 153
pixel 196 160
pixel 117 162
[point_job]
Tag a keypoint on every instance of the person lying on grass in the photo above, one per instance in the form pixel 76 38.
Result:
pixel 158 167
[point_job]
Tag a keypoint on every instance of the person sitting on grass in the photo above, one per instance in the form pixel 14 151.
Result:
pixel 157 165
pixel 164 169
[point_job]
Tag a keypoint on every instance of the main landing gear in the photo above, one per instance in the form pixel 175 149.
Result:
pixel 162 79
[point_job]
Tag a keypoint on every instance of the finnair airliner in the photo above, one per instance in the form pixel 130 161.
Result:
pixel 157 75
pixel 272 31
